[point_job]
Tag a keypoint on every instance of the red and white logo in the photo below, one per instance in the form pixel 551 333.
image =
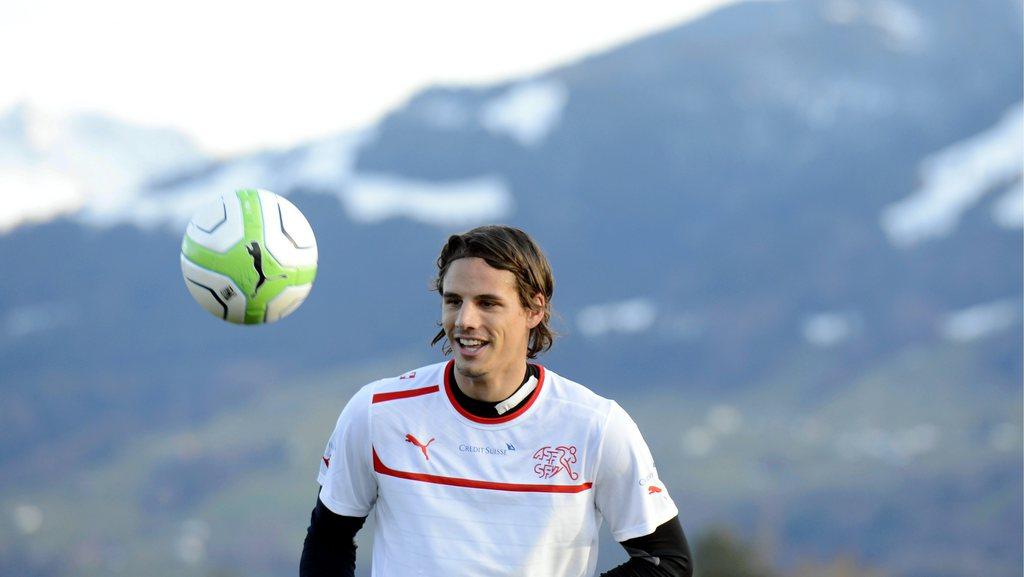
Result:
pixel 555 460
pixel 652 489
pixel 411 375
pixel 415 441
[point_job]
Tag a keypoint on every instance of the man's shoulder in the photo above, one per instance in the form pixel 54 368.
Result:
pixel 427 377
pixel 566 390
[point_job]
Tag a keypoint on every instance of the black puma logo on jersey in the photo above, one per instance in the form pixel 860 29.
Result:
pixel 257 263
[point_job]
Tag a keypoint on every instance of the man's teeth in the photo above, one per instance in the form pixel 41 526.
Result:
pixel 470 342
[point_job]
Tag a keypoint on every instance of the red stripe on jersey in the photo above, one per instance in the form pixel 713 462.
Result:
pixel 489 420
pixel 383 469
pixel 382 397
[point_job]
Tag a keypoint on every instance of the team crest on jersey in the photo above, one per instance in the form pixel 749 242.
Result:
pixel 555 460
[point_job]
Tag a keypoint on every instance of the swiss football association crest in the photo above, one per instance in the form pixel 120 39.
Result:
pixel 555 460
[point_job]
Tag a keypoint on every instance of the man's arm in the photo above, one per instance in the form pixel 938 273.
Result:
pixel 663 553
pixel 330 546
pixel 348 491
pixel 636 504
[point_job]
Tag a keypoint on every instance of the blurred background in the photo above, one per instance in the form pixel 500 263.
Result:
pixel 786 235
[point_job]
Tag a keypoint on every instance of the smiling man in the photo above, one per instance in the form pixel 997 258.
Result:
pixel 488 464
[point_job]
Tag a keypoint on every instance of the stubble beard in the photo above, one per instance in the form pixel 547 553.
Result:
pixel 470 373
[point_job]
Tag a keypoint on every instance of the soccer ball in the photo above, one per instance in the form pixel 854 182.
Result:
pixel 249 258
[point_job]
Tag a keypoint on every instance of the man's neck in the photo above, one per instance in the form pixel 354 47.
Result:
pixel 491 388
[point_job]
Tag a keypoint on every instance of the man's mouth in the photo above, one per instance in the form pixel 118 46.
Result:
pixel 470 346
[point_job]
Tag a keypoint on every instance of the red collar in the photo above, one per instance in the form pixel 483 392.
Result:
pixel 449 383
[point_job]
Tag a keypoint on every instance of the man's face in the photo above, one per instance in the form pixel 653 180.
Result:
pixel 487 326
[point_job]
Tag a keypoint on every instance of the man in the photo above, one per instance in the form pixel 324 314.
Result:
pixel 488 465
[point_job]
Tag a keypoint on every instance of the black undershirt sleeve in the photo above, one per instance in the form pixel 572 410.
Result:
pixel 330 546
pixel 663 553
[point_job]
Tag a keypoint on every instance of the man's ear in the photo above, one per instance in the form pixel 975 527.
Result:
pixel 535 314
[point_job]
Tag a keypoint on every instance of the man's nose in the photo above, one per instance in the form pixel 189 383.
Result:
pixel 468 316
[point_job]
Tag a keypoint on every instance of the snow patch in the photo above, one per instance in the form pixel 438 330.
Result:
pixel 192 539
pixel 626 317
pixel 829 329
pixel 36 194
pixel 831 101
pixel 42 130
pixel 444 113
pixel 841 12
pixel 25 321
pixel 327 163
pixel 52 165
pixel 895 447
pixel 526 112
pixel 724 419
pixel 106 173
pixel 1008 210
pixel 1004 437
pixel 982 320
pixel 698 441
pixel 721 421
pixel 27 518
pixel 956 178
pixel 326 166
pixel 903 27
pixel 174 206
pixel 371 199
pixel 826 105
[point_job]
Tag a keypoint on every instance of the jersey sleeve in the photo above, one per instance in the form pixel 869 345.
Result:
pixel 627 490
pixel 348 484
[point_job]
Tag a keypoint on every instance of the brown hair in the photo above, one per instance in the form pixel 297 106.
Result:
pixel 505 248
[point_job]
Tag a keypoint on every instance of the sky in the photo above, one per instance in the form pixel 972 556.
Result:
pixel 239 76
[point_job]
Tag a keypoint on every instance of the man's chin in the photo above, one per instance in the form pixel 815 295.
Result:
pixel 468 370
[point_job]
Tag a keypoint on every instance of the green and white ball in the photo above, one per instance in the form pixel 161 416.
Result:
pixel 249 258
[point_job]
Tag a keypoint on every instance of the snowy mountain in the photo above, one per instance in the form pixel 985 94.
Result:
pixel 838 175
pixel 105 173
pixel 798 224
pixel 53 165
pixel 887 143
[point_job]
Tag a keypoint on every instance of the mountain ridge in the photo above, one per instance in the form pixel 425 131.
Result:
pixel 711 200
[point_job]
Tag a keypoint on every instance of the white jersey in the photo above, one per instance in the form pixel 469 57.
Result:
pixel 521 494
